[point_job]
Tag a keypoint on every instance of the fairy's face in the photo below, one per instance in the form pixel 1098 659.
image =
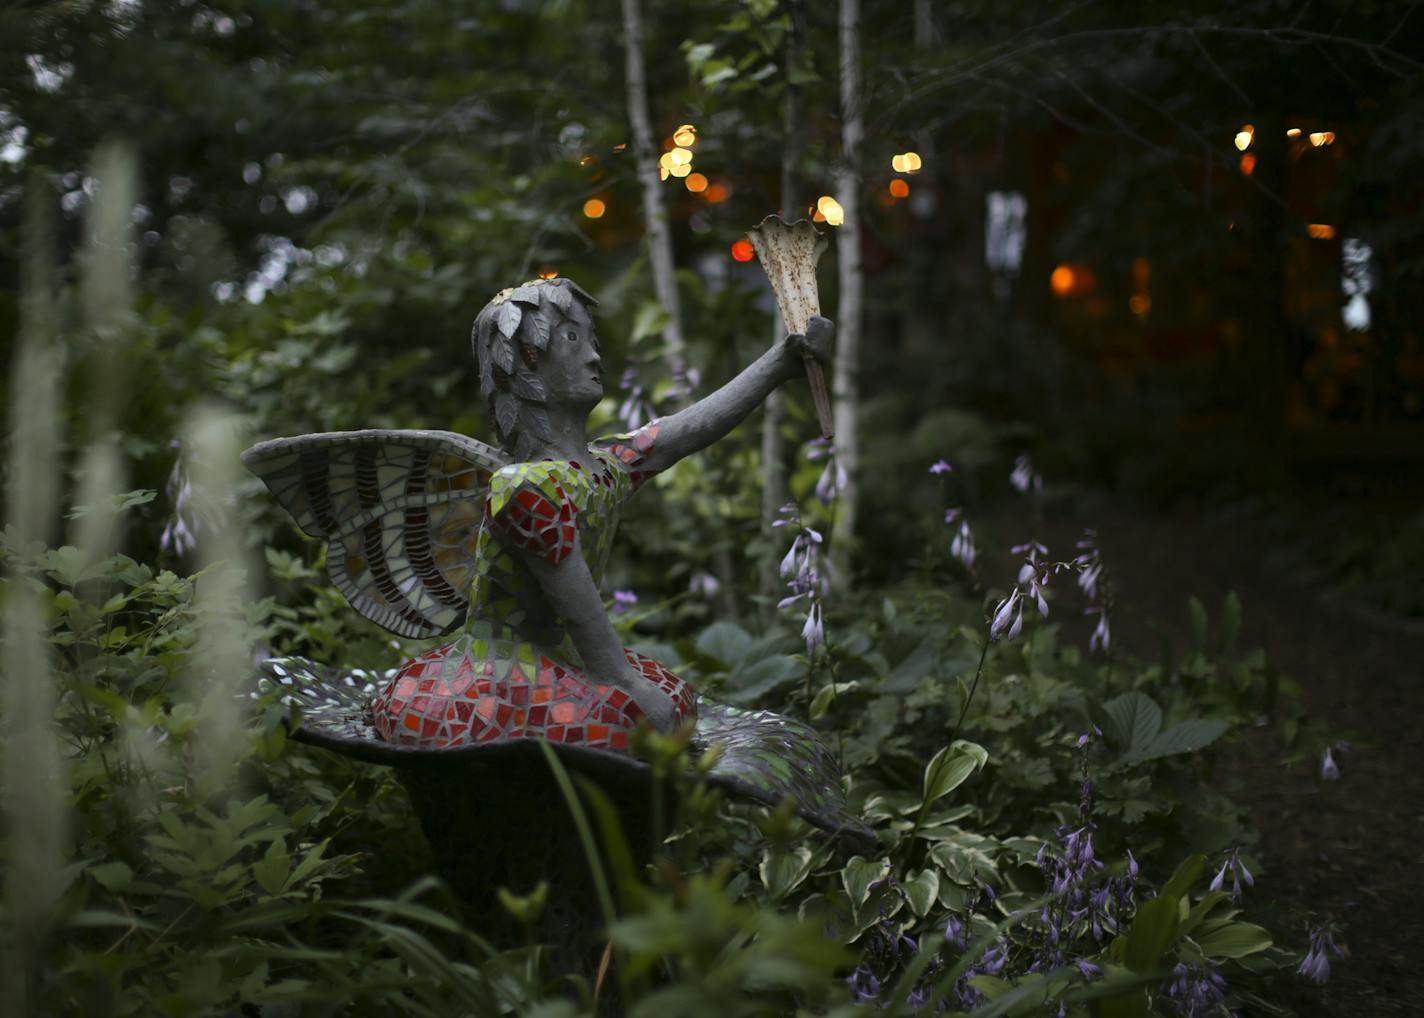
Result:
pixel 572 368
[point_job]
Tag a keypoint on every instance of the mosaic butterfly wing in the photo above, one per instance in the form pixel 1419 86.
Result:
pixel 400 512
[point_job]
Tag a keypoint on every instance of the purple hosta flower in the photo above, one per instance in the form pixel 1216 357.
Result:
pixel 1238 871
pixel 813 632
pixel 864 985
pixel 1008 618
pixel 799 569
pixel 1194 991
pixel 684 382
pixel 635 409
pixel 1090 564
pixel 1329 768
pixel 962 545
pixel 1088 969
pixel 833 479
pixel 941 467
pixel 1132 867
pixel 180 534
pixel 1102 633
pixel 623 600
pixel 1316 964
pixel 704 584
pixel 1024 477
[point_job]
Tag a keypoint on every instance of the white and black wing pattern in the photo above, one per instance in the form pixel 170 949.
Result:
pixel 400 512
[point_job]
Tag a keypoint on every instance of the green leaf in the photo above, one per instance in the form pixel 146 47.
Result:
pixel 922 892
pixel 1184 878
pixel 1153 930
pixel 115 876
pixel 1135 721
pixel 1230 621
pixel 948 769
pixel 1197 613
pixel 1187 737
pixel 273 868
pixel 724 642
pixel 857 876
pixel 651 320
pixel 1234 940
pixel 827 695
pixel 782 872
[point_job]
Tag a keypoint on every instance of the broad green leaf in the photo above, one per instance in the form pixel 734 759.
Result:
pixel 1187 737
pixel 1187 873
pixel 273 868
pixel 1135 720
pixel 922 891
pixel 1201 910
pixel 950 768
pixel 857 876
pixel 725 642
pixel 1234 940
pixel 1153 930
pixel 115 876
pixel 827 695
pixel 782 872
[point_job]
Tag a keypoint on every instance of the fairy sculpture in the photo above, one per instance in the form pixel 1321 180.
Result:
pixel 432 533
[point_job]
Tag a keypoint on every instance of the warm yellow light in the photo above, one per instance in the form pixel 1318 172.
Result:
pixel 912 162
pixel 899 189
pixel 1320 231
pixel 830 209
pixel 1062 281
pixel 1243 137
pixel 1318 138
pixel 696 183
pixel 548 273
pixel 681 156
pixel 681 169
pixel 586 161
pixel 665 160
pixel 897 163
pixel 594 209
pixel 662 173
pixel 1292 132
pixel 685 136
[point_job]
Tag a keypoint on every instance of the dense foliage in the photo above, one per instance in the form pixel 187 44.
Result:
pixel 323 197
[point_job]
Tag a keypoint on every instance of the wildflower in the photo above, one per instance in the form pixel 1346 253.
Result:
pixel 634 409
pixel 1007 618
pixel 962 546
pixel 1088 969
pixel 1102 634
pixel 1238 871
pixel 704 584
pixel 833 479
pixel 1024 476
pixel 623 600
pixel 1194 991
pixel 799 568
pixel 1329 769
pixel 813 632
pixel 1132 867
pixel 864 985
pixel 941 467
pixel 1316 965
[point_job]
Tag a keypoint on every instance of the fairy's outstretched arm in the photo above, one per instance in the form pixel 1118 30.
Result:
pixel 704 422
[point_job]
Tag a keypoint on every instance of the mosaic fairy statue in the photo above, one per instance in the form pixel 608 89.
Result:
pixel 501 550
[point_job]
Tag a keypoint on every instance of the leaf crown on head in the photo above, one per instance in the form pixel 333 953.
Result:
pixel 508 336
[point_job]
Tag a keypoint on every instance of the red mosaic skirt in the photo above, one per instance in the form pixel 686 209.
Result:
pixel 488 686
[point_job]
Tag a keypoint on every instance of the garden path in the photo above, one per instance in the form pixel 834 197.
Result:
pixel 1348 850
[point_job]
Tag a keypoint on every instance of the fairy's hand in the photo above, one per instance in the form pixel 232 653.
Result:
pixel 818 341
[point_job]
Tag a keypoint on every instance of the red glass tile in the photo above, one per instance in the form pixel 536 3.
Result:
pixel 464 710
pixel 618 740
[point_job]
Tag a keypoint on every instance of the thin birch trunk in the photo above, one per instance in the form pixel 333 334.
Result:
pixel 654 207
pixel 846 384
pixel 773 452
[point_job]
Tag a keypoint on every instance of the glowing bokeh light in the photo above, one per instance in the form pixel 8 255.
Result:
pixel 681 169
pixel 1062 280
pixel 696 183
pixel 897 163
pixel 594 208
pixel 685 136
pixel 1319 138
pixel 681 157
pixel 1243 137
pixel 1293 132
pixel 1248 164
pixel 830 209
pixel 620 146
pixel 717 193
pixel 1139 304
pixel 587 161
pixel 899 189
pixel 743 251
pixel 912 162
pixel 1321 231
pixel 548 273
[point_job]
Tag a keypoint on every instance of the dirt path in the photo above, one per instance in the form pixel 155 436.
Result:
pixel 1347 850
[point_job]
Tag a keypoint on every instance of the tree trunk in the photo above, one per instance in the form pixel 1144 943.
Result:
pixel 852 286
pixel 654 207
pixel 773 452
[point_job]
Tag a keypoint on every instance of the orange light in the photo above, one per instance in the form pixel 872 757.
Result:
pixel 817 216
pixel 717 193
pixel 587 161
pixel 743 251
pixel 620 146
pixel 1293 132
pixel 1320 231
pixel 1062 280
pixel 1139 304
pixel 696 183
pixel 548 273
pixel 594 209
pixel 1248 164
pixel 685 136
pixel 1319 138
pixel 899 188
pixel 669 142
